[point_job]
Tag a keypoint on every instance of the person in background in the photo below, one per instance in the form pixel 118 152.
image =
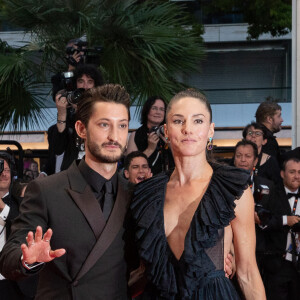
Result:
pixel 147 140
pixel 266 166
pixel 282 264
pixel 263 190
pixel 64 144
pixel 136 167
pixel 268 114
pixel 9 210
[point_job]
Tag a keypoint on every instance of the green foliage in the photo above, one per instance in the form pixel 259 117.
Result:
pixel 263 16
pixel 147 45
pixel 20 93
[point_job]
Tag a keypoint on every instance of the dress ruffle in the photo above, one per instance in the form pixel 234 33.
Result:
pixel 215 211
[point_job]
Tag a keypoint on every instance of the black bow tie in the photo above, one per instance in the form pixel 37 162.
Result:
pixel 296 195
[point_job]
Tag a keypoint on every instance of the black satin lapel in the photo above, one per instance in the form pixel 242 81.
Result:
pixel 90 207
pixel 114 224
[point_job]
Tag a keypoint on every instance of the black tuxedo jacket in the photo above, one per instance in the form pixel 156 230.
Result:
pixel 268 198
pixel 93 266
pixel 277 237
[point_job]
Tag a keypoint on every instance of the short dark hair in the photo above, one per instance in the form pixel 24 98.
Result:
pixel 90 71
pixel 128 159
pixel 256 126
pixel 114 93
pixel 10 161
pixel 244 142
pixel 266 109
pixel 295 159
pixel 193 93
pixel 147 106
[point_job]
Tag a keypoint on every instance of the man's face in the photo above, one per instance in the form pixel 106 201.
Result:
pixel 276 121
pixel 291 175
pixel 138 170
pixel 5 178
pixel 85 82
pixel 244 158
pixel 106 133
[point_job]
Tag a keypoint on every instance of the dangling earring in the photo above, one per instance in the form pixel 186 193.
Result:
pixel 209 145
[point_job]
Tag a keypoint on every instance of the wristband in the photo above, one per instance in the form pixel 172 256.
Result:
pixel 30 266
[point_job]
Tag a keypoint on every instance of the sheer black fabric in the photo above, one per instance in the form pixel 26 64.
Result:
pixel 199 273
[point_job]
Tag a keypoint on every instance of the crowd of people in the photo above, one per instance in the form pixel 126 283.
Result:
pixel 170 223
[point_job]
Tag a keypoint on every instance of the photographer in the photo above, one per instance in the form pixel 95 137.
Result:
pixel 64 146
pixel 283 266
pixel 74 57
pixel 263 190
pixel 149 138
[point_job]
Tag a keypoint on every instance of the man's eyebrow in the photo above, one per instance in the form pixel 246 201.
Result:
pixel 106 119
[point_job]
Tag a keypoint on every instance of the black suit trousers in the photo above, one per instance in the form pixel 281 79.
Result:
pixel 283 284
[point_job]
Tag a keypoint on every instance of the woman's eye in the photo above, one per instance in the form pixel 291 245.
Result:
pixel 198 121
pixel 124 126
pixel 178 121
pixel 103 125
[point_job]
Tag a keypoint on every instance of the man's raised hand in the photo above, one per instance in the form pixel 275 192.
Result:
pixel 38 247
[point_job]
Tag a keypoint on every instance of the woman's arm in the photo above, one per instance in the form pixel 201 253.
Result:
pixel 131 144
pixel 244 246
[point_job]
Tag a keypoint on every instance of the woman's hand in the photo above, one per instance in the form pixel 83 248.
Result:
pixel 152 141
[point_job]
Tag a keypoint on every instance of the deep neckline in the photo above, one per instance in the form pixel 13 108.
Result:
pixel 197 210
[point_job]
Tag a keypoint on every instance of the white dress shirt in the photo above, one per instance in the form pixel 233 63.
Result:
pixel 3 216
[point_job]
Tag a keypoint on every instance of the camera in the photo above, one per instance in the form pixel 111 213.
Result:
pixel 296 227
pixel 89 56
pixel 159 131
pixel 72 94
pixel 1 165
pixel 263 214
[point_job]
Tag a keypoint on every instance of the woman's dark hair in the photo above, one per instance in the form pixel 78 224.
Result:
pixel 256 126
pixel 192 93
pixel 147 106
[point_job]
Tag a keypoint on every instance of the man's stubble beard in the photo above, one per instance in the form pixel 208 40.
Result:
pixel 95 150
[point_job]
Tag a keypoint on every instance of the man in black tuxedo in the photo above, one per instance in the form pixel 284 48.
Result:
pixel 245 157
pixel 9 210
pixel 81 210
pixel 283 279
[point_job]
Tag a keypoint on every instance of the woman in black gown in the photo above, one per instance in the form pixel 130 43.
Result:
pixel 184 220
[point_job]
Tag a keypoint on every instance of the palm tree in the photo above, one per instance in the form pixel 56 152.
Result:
pixel 147 46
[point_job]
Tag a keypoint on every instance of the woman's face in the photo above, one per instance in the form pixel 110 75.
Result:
pixel 156 114
pixel 188 127
pixel 256 136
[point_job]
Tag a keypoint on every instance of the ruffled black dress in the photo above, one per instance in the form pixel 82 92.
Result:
pixel 199 273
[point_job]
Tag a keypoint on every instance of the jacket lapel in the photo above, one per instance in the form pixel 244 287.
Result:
pixel 86 201
pixel 113 226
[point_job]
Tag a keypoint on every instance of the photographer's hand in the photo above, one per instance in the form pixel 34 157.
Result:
pixel 38 247
pixel 152 143
pixel 256 218
pixel 292 220
pixel 61 105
